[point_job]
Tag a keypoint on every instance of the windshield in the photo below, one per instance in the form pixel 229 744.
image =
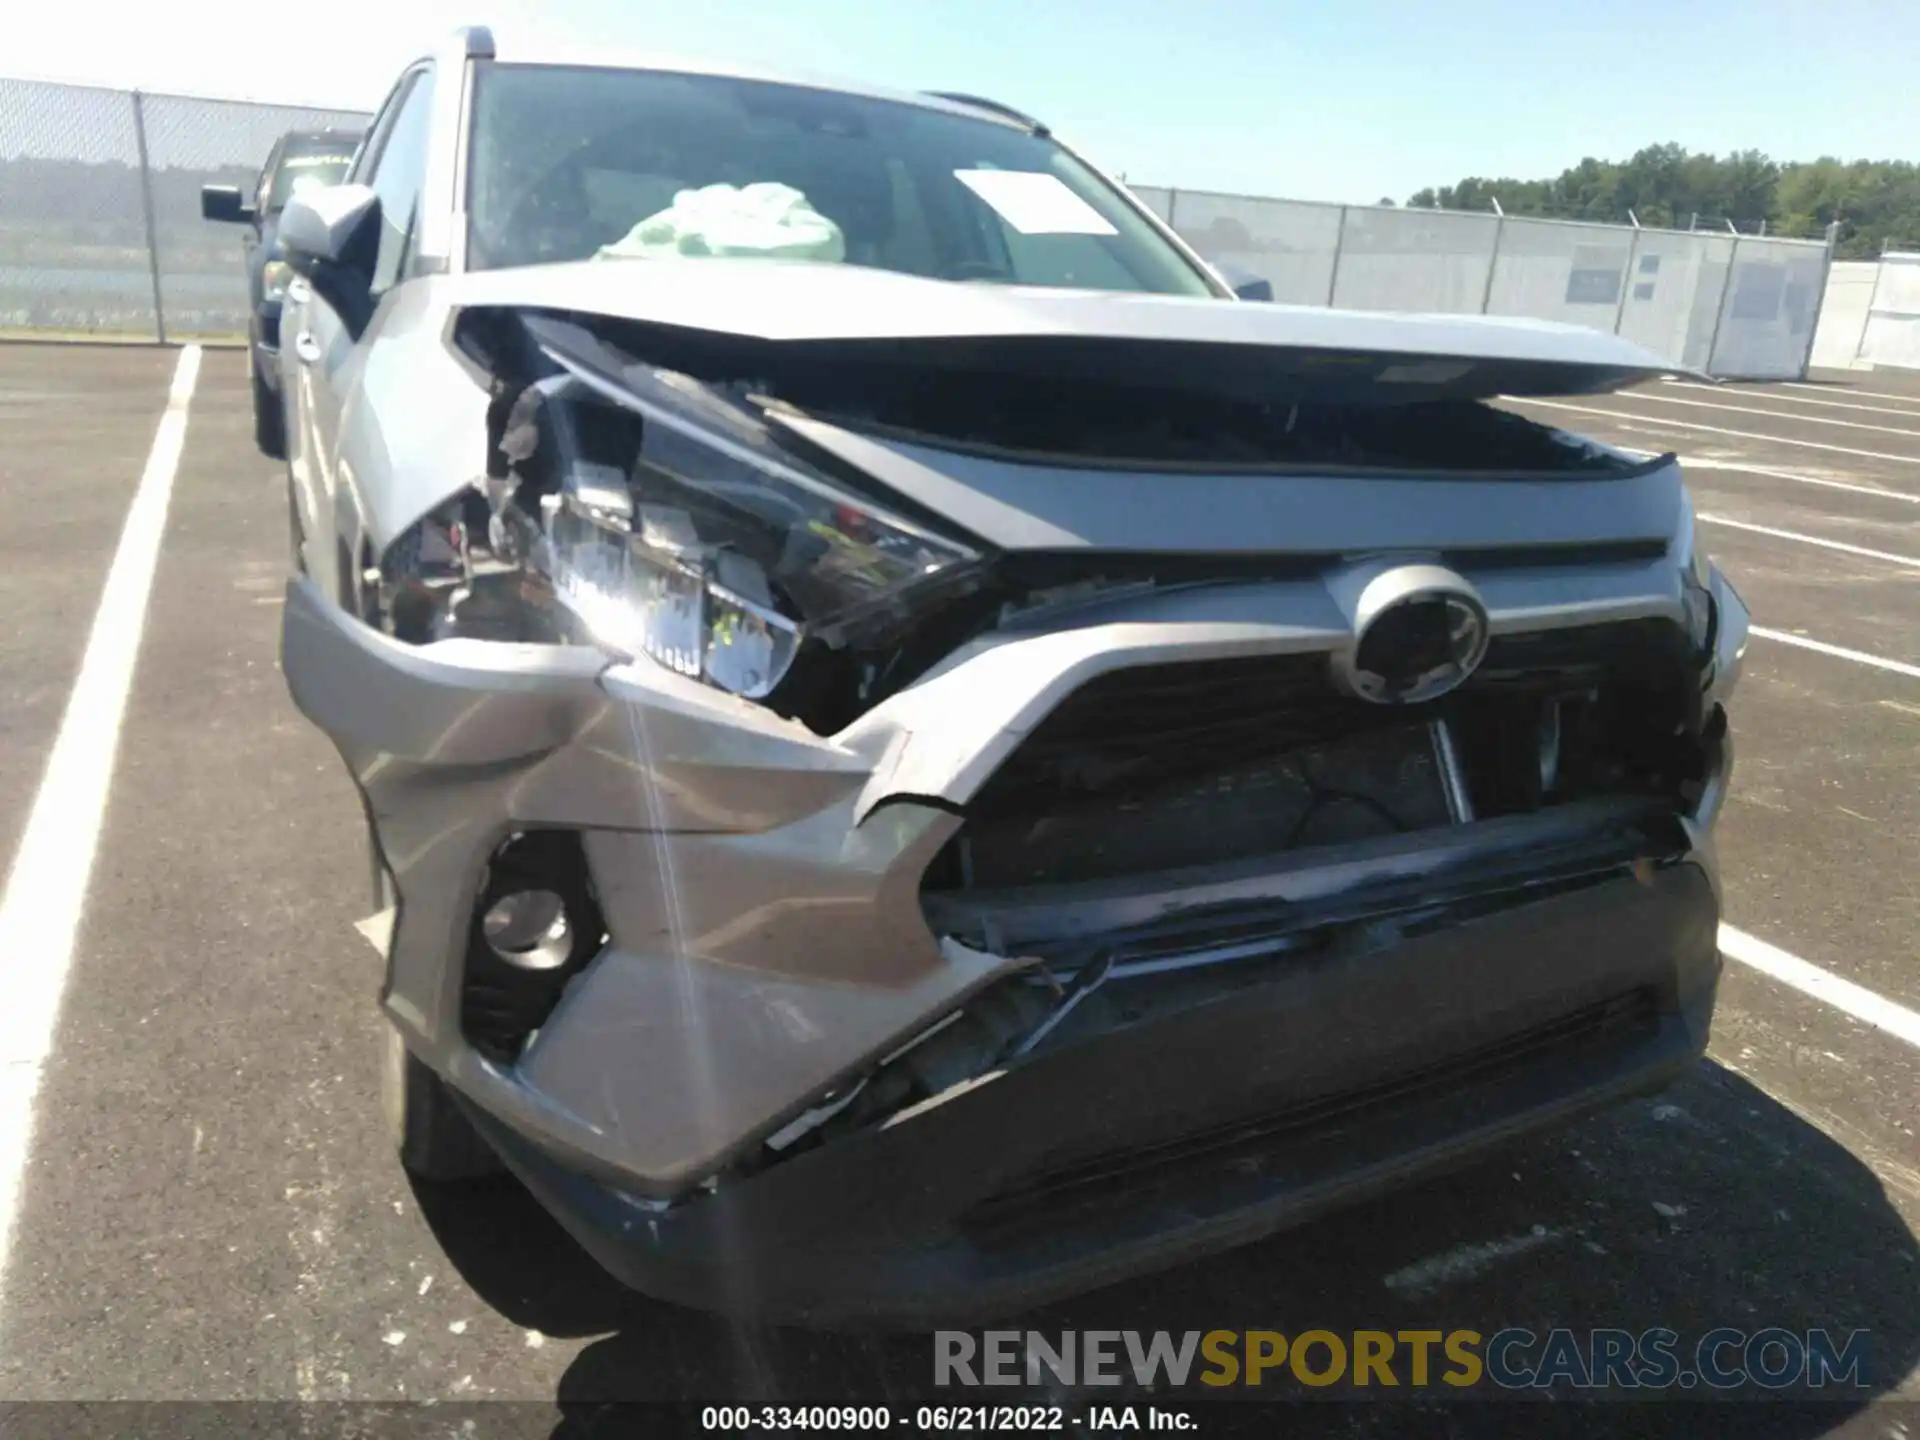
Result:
pixel 630 166
pixel 303 166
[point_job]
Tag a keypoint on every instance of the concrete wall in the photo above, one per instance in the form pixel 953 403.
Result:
pixel 1892 336
pixel 1740 307
pixel 1843 314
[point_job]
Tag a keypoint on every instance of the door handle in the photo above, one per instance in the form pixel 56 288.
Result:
pixel 306 347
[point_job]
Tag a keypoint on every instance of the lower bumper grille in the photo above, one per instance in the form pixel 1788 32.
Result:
pixel 1041 1199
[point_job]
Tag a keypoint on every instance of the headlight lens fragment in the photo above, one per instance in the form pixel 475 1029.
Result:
pixel 680 531
pixel 644 584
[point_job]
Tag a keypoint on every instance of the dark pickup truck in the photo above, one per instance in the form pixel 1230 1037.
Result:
pixel 299 159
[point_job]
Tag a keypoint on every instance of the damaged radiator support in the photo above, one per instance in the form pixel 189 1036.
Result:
pixel 1167 767
pixel 1111 954
pixel 1174 836
pixel 1171 834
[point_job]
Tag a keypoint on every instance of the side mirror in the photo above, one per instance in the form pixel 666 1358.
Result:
pixel 1246 285
pixel 331 236
pixel 225 204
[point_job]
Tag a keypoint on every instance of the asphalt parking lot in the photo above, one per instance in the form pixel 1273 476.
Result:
pixel 207 1206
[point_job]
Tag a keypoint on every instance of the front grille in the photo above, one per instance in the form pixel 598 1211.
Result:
pixel 1611 1026
pixel 1150 725
pixel 1153 767
pixel 1623 648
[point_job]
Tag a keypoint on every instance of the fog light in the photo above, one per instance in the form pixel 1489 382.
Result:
pixel 529 930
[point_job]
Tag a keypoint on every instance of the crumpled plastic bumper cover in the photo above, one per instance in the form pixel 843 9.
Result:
pixel 760 889
pixel 1207 1129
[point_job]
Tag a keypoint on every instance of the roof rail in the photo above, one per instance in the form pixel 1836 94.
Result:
pixel 478 40
pixel 980 102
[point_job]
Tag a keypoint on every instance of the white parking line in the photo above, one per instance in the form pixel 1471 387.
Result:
pixel 1703 462
pixel 1913 560
pixel 1870 394
pixel 1697 462
pixel 1792 400
pixel 1776 415
pixel 1809 979
pixel 1660 422
pixel 47 887
pixel 1838 652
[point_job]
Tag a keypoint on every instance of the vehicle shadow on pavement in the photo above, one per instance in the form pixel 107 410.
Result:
pixel 1711 1206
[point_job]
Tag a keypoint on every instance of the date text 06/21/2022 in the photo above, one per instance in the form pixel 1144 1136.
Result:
pixel 924 1419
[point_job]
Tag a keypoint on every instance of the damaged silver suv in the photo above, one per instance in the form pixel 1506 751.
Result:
pixel 923 755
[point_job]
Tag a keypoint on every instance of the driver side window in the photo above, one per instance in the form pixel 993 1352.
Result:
pixel 399 177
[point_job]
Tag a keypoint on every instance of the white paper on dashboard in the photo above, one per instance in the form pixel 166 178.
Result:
pixel 1035 203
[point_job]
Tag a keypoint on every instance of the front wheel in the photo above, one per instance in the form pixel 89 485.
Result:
pixel 435 1140
pixel 296 533
pixel 269 419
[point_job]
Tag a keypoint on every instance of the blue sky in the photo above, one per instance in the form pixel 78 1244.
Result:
pixel 1343 100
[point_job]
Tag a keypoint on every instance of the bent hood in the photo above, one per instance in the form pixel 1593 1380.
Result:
pixel 1249 349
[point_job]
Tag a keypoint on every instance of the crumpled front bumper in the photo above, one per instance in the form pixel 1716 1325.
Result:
pixel 761 893
pixel 1211 1128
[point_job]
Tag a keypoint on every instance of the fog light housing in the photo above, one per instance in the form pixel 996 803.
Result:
pixel 535 926
pixel 529 929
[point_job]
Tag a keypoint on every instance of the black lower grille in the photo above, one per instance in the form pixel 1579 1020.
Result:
pixel 1621 1021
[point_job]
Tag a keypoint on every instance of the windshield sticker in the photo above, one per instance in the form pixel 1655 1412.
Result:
pixel 1035 203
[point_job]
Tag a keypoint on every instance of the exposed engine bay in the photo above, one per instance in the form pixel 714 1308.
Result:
pixel 827 593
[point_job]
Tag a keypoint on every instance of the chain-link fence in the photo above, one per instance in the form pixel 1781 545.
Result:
pixel 100 228
pixel 1733 305
pixel 100 232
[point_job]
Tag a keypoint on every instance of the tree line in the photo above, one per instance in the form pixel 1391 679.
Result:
pixel 1875 202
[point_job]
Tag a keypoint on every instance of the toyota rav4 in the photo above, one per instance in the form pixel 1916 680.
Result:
pixel 922 753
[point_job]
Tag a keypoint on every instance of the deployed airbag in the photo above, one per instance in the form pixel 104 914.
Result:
pixel 767 220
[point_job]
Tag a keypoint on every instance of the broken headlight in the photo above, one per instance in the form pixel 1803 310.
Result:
pixel 1696 603
pixel 656 517
pixel 1714 615
pixel 1696 589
